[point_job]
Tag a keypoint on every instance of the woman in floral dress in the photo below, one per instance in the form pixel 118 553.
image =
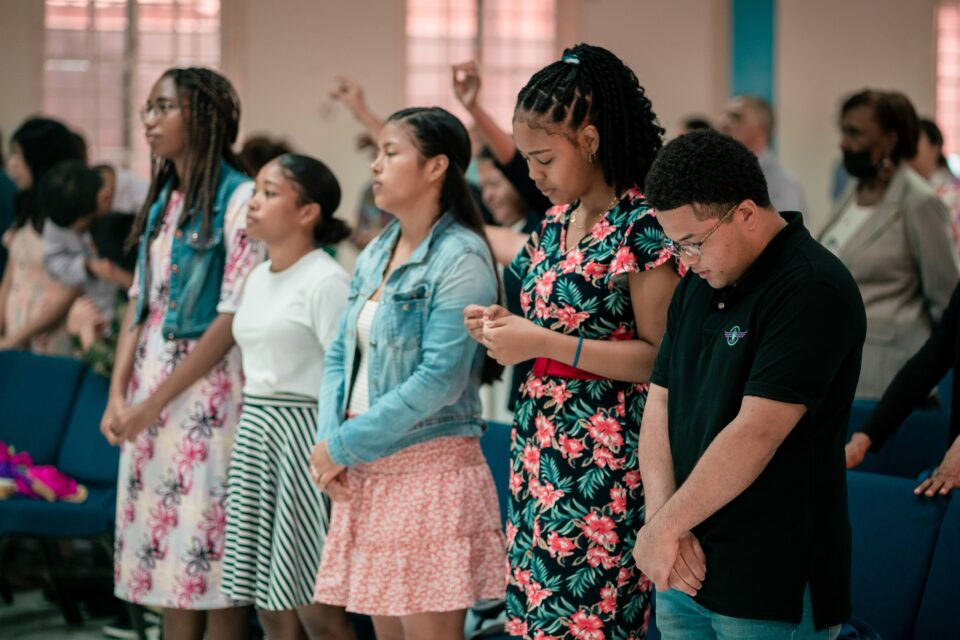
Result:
pixel 175 395
pixel 595 290
pixel 33 306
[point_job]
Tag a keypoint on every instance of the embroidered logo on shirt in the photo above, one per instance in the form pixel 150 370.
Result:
pixel 733 335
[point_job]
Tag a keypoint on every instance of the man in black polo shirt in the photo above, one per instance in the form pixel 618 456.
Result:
pixel 741 447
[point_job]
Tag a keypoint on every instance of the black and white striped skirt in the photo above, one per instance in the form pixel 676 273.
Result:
pixel 276 517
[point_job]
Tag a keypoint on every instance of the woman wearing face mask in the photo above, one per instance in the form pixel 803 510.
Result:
pixel 892 232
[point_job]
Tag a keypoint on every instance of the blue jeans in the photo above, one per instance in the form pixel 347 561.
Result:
pixel 679 617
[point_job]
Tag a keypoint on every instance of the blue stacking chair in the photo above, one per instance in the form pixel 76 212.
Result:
pixel 937 618
pixel 894 535
pixel 51 408
pixel 496 449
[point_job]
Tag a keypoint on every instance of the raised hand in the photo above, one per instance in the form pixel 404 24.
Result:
pixel 466 83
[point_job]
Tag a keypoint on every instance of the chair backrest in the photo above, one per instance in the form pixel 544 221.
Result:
pixel 85 455
pixel 36 397
pixel 496 449
pixel 894 535
pixel 919 444
pixel 938 608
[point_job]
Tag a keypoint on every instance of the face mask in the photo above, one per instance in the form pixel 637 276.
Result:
pixel 859 164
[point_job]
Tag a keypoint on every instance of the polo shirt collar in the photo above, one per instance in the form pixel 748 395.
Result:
pixel 776 253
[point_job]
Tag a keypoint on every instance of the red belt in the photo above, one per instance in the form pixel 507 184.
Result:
pixel 554 368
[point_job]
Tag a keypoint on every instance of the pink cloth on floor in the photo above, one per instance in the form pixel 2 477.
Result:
pixel 421 533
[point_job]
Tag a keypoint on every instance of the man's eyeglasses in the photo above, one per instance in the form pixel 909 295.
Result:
pixel 693 249
pixel 159 110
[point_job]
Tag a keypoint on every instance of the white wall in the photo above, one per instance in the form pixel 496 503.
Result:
pixel 282 54
pixel 677 48
pixel 21 63
pixel 828 50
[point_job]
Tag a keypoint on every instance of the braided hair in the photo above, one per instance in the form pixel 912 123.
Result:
pixel 590 85
pixel 211 110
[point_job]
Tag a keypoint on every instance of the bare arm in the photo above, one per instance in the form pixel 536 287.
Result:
pixel 466 86
pixel 52 314
pixel 126 348
pixel 4 292
pixel 126 423
pixel 629 360
pixel 510 338
pixel 653 452
pixel 212 346
pixel 732 462
pixel 349 92
pixel 506 244
pixel 665 549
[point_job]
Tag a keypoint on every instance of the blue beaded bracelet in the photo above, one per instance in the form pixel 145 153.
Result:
pixel 576 355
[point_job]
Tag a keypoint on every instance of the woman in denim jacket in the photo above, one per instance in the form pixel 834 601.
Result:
pixel 415 537
pixel 175 395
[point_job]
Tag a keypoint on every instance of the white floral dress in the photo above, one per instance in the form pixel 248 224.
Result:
pixel 171 514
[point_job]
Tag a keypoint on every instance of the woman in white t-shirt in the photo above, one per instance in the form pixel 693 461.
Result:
pixel 276 517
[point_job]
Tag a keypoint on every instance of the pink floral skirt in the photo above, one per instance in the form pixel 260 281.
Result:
pixel 421 533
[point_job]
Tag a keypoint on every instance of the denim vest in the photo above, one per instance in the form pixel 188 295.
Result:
pixel 197 264
pixel 423 369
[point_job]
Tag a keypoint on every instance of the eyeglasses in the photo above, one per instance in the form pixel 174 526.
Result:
pixel 159 110
pixel 693 249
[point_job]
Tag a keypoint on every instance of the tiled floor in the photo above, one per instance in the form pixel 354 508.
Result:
pixel 31 617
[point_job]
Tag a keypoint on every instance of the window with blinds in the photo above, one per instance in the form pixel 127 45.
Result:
pixel 511 41
pixel 103 56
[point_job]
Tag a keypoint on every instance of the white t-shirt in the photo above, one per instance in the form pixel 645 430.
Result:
pixel 360 395
pixel 845 228
pixel 286 322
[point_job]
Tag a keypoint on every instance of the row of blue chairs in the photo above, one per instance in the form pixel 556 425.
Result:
pixel 51 408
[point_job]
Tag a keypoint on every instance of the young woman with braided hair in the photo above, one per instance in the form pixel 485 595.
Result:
pixel 595 289
pixel 175 395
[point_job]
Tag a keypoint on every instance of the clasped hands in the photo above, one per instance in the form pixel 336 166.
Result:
pixel 669 560
pixel 122 423
pixel 507 337
pixel 329 476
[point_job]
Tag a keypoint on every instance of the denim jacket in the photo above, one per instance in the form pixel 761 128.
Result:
pixel 423 369
pixel 197 267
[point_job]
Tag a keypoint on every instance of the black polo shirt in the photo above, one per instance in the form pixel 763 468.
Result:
pixel 791 329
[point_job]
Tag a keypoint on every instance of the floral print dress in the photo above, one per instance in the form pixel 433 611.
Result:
pixel 576 498
pixel 171 498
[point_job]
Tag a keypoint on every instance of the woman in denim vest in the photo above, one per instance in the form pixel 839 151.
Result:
pixel 414 537
pixel 175 395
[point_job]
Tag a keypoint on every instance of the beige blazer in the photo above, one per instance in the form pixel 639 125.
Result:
pixel 906 267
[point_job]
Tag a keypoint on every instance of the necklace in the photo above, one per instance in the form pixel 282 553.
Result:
pixel 583 225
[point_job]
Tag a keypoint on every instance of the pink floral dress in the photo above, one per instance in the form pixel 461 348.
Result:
pixel 576 496
pixel 171 515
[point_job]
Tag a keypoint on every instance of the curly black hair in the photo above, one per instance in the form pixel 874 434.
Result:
pixel 590 85
pixel 709 171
